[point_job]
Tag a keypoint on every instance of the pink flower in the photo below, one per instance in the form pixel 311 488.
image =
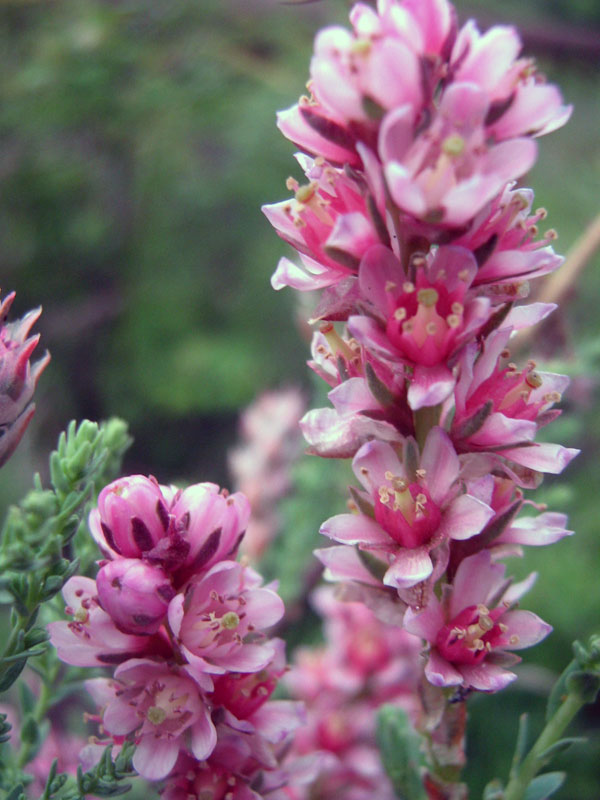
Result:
pixel 162 708
pixel 92 638
pixel 18 377
pixel 500 408
pixel 473 629
pixel 218 621
pixel 503 238
pixel 417 506
pixel 135 594
pixel 328 220
pixel 182 531
pixel 424 322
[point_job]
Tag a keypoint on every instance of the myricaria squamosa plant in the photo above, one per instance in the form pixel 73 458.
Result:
pixel 411 227
pixel 419 247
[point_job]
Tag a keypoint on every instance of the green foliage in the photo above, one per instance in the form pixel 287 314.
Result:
pixel 400 748
pixel 34 558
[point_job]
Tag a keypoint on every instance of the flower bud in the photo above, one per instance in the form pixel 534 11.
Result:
pixel 18 377
pixel 131 516
pixel 135 594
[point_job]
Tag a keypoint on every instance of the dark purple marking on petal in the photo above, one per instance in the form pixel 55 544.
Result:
pixel 110 539
pixel 163 514
pixel 167 592
pixel 141 534
pixel 208 549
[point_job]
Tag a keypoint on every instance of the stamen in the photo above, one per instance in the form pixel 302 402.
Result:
pixel 453 145
pixel 400 314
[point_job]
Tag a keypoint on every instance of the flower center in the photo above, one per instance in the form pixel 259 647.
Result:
pixel 406 511
pixel 471 635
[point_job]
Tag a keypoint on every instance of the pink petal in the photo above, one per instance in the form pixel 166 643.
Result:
pixel 355 529
pixel 425 623
pixel 409 568
pixel 344 563
pixel 476 579
pixel 276 719
pixel 465 517
pixel 429 386
pixel 440 673
pixel 396 133
pixel 407 194
pixel 544 529
pixel 486 677
pixel 527 627
pixel 353 396
pixel 155 757
pixel 247 658
pixel 264 607
pixel 546 457
pixel 203 735
pixel 441 464
pixel 371 463
pixel 525 316
pixel 120 718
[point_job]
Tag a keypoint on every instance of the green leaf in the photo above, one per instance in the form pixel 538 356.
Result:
pixel 544 785
pixel 560 747
pixel 521 745
pixel 400 750
pixel 27 698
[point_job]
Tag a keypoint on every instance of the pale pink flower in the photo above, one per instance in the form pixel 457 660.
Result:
pixel 218 621
pixel 261 463
pixel 474 629
pixel 161 707
pixel 18 377
pixel 135 594
pixel 446 174
pixel 92 638
pixel 417 507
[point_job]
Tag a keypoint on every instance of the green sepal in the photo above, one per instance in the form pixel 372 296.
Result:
pixel 584 684
pixel 544 785
pixel 376 567
pixel 27 699
pixel 400 750
pixel 17 793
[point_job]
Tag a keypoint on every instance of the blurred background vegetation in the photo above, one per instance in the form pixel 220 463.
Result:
pixel 137 143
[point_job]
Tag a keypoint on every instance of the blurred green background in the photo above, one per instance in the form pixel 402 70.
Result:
pixel 137 143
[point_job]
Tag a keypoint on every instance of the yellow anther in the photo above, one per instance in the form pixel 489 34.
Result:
pixel 81 615
pixel 533 230
pixel 408 287
pixel 407 327
pixel 453 321
pixel 390 286
pixel 551 234
pixel 514 639
pixel 292 184
pixel 305 193
pixel 463 275
pixel 481 609
pixel 384 495
pixel 552 397
pixel 453 145
pixel 541 213
pixel 400 314
pixel 457 308
pixel 533 379
pixel 431 329
pixel 421 473
pixel 427 297
pixel 503 627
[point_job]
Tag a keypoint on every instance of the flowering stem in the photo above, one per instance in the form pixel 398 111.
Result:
pixel 535 760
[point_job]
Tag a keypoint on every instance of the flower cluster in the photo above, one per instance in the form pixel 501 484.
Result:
pixel 362 665
pixel 412 227
pixel 183 626
pixel 260 464
pixel 18 377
